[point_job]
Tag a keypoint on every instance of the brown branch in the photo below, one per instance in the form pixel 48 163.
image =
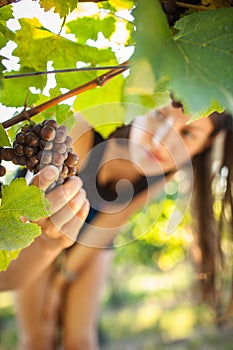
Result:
pixel 7 2
pixel 190 6
pixel 99 81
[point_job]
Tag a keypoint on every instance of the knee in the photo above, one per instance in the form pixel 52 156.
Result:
pixel 81 341
pixel 35 346
pixel 35 342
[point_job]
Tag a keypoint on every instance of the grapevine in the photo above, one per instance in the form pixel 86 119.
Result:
pixel 38 145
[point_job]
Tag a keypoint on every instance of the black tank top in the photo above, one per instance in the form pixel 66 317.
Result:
pixel 101 195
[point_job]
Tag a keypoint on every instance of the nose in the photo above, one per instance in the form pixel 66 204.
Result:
pixel 162 132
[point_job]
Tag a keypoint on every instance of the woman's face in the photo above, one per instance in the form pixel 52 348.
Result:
pixel 162 141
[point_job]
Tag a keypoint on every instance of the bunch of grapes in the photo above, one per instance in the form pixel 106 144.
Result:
pixel 173 12
pixel 38 145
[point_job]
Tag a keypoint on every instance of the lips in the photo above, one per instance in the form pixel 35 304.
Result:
pixel 155 156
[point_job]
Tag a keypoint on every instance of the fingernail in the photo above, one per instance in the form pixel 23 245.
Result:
pixel 51 173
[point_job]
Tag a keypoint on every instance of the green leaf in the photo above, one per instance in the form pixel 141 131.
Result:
pixel 6 256
pixel 121 4
pixel 92 28
pixel 196 63
pixel 152 31
pixel 40 46
pixel 62 114
pixel 4 140
pixel 59 6
pixel 97 106
pixel 19 199
pixel 6 13
pixel 5 33
pixel 205 55
pixel 21 87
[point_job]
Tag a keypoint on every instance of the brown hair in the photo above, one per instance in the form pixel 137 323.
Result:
pixel 209 229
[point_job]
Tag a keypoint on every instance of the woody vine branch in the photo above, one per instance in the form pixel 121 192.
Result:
pixel 99 81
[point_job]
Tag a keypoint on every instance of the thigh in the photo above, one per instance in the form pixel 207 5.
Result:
pixel 83 301
pixel 30 303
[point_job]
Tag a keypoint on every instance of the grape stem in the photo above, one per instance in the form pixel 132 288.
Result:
pixel 99 81
pixel 190 6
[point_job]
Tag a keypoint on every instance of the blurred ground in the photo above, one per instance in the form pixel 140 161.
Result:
pixel 144 309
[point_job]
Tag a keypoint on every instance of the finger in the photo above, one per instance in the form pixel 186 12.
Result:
pixel 65 214
pixel 63 194
pixel 68 229
pixel 72 228
pixel 45 177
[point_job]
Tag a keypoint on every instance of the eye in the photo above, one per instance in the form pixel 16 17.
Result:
pixel 188 134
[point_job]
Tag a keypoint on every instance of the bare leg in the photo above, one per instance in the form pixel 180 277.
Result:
pixel 34 332
pixel 82 304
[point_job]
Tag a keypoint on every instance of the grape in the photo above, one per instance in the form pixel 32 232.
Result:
pixel 20 138
pixel 71 160
pixel 48 133
pixel 68 141
pixel 51 122
pixel 2 170
pixel 173 12
pixel 37 129
pixel 46 145
pixel 45 157
pixel 7 154
pixel 20 160
pixel 31 139
pixel 60 136
pixel 38 145
pixel 30 151
pixel 59 147
pixel 170 6
pixel 57 158
pixel 18 149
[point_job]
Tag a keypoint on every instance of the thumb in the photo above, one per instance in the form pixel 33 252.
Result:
pixel 45 177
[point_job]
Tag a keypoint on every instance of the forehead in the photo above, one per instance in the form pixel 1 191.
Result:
pixel 179 118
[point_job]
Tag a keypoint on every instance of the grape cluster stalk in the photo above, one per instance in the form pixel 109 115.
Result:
pixel 38 145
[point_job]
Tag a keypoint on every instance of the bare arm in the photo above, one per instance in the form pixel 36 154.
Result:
pixel 104 229
pixel 59 231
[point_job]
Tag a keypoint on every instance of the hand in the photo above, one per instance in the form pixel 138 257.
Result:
pixel 69 205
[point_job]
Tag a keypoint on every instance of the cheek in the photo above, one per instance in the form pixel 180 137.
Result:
pixel 140 137
pixel 197 147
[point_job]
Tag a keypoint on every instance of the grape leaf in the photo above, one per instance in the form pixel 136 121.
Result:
pixel 5 33
pixel 40 46
pixel 97 106
pixel 59 6
pixel 19 199
pixel 92 27
pixel 6 13
pixel 196 63
pixel 62 114
pixel 6 256
pixel 22 89
pixel 121 4
pixel 4 140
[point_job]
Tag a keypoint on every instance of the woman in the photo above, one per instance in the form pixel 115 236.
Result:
pixel 120 175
